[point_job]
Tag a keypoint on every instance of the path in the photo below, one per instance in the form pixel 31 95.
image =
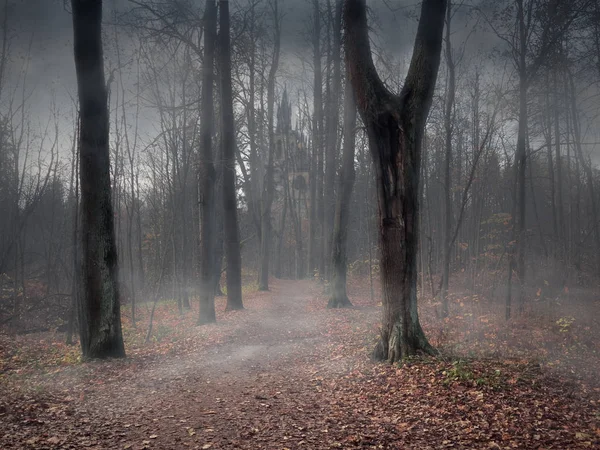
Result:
pixel 290 376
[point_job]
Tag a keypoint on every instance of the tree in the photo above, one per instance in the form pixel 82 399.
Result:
pixel 332 137
pixel 339 296
pixel 230 220
pixel 99 309
pixel 268 188
pixel 206 172
pixel 448 129
pixel 395 128
pixel 317 135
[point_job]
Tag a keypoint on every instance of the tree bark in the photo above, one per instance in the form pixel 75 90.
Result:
pixel 267 198
pixel 206 168
pixel 230 218
pixel 317 127
pixel 100 309
pixel 332 139
pixel 339 296
pixel 448 128
pixel 395 127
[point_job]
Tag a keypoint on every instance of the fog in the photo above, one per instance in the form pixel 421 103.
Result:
pixel 282 193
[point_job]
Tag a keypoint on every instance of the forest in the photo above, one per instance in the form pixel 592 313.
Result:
pixel 299 224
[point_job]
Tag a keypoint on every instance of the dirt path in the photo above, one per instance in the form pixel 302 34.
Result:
pixel 290 375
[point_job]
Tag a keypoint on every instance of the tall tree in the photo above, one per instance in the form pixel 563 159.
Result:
pixel 206 170
pixel 230 216
pixel 317 127
pixel 339 296
pixel 448 129
pixel 395 127
pixel 332 135
pixel 268 188
pixel 100 309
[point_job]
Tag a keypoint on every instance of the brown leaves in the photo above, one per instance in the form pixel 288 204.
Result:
pixel 287 373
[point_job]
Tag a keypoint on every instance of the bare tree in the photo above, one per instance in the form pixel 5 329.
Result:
pixel 267 195
pixel 230 219
pixel 99 311
pixel 206 171
pixel 339 296
pixel 395 126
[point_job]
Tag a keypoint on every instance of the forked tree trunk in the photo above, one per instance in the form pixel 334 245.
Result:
pixel 395 127
pixel 206 171
pixel 230 219
pixel 99 307
pixel 339 296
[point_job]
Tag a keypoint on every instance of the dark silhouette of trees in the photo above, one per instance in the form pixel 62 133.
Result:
pixel 99 309
pixel 230 216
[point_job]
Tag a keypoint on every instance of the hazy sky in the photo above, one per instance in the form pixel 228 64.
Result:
pixel 43 29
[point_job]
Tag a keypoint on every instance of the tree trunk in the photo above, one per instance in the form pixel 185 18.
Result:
pixel 395 127
pixel 339 296
pixel 448 128
pixel 100 310
pixel 317 127
pixel 230 219
pixel 559 183
pixel 521 158
pixel 207 174
pixel 267 198
pixel 332 140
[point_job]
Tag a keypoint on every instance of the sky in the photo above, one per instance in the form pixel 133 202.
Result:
pixel 41 52
pixel 42 29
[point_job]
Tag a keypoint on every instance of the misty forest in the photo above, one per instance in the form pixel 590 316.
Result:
pixel 299 224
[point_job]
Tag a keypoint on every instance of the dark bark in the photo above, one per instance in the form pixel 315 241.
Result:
pixel 100 310
pixel 339 296
pixel 395 127
pixel 230 219
pixel 332 138
pixel 206 169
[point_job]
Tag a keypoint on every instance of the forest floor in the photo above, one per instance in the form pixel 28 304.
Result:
pixel 286 373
